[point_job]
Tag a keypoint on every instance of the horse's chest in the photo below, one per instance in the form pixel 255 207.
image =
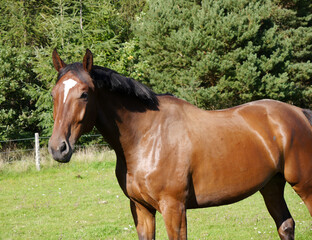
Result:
pixel 135 183
pixel 141 188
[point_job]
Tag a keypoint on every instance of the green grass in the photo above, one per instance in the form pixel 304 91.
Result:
pixel 82 200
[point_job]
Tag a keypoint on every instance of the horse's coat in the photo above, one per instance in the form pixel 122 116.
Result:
pixel 172 156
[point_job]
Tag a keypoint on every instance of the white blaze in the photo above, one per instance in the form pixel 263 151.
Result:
pixel 70 83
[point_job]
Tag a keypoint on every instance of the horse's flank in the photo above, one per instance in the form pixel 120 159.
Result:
pixel 231 145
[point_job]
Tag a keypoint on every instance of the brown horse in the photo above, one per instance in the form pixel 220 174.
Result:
pixel 172 156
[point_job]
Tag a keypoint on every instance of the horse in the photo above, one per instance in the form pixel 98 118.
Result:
pixel 173 156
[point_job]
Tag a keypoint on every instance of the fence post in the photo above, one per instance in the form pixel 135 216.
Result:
pixel 37 151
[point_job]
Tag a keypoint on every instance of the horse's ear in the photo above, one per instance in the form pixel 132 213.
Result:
pixel 88 61
pixel 57 61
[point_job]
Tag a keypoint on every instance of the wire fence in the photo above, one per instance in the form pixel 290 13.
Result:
pixel 14 153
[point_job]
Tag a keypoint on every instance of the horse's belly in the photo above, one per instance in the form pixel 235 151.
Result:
pixel 227 176
pixel 228 189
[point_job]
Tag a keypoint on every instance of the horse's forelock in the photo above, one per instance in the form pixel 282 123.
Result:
pixel 76 69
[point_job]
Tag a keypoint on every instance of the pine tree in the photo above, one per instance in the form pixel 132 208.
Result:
pixel 215 54
pixel 30 30
pixel 18 116
pixel 71 27
pixel 218 54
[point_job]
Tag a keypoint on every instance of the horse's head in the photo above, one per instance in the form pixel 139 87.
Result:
pixel 74 105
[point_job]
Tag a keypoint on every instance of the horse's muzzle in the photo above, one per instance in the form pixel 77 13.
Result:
pixel 60 151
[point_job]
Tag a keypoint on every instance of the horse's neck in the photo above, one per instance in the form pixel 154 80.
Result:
pixel 116 120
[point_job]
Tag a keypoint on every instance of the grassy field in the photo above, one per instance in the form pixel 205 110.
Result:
pixel 82 200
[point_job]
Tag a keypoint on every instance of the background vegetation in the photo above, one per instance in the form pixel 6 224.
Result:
pixel 215 54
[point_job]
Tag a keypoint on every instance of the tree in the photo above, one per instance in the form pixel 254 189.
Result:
pixel 71 27
pixel 17 108
pixel 18 116
pixel 218 54
pixel 30 30
pixel 215 54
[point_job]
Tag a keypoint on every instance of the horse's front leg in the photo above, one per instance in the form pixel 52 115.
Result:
pixel 174 215
pixel 144 220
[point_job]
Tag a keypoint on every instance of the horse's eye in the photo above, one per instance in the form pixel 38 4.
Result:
pixel 84 96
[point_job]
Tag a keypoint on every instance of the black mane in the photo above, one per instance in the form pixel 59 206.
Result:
pixel 114 82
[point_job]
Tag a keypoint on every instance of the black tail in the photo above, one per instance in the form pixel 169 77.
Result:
pixel 308 114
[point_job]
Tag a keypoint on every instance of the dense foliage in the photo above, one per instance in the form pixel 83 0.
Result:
pixel 218 54
pixel 215 54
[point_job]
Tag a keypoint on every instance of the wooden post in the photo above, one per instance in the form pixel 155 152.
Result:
pixel 37 151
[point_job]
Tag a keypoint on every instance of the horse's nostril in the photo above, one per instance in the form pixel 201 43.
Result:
pixel 63 147
pixel 60 150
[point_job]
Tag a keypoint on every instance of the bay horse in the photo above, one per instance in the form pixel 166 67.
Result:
pixel 173 156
